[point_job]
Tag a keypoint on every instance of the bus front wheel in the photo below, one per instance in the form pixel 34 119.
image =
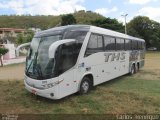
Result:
pixel 85 86
pixel 133 70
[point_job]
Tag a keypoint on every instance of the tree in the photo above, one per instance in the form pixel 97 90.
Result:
pixel 20 38
pixel 28 37
pixel 68 19
pixel 44 22
pixel 109 23
pixel 145 28
pixel 3 51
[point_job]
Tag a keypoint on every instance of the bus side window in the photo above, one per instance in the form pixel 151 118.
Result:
pixel 119 44
pixel 143 45
pixel 68 56
pixel 100 43
pixel 109 43
pixel 128 45
pixel 78 35
pixel 134 45
pixel 95 45
pixel 139 45
pixel 122 44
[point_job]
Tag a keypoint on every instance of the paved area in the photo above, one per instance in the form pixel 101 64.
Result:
pixel 14 61
pixel 12 72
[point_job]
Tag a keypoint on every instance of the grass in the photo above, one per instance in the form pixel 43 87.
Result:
pixel 127 94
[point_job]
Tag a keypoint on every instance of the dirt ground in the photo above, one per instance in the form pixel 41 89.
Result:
pixel 12 72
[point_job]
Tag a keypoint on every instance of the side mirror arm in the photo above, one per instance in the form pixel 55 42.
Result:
pixel 53 47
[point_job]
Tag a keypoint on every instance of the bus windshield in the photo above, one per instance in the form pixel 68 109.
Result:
pixel 38 63
pixel 40 66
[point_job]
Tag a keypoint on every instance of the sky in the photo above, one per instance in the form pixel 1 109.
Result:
pixel 107 8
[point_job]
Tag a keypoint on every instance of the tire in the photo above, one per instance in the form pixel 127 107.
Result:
pixel 138 67
pixel 133 70
pixel 135 67
pixel 85 86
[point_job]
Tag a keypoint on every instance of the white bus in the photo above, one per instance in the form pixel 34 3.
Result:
pixel 69 59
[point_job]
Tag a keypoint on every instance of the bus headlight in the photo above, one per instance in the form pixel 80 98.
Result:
pixel 50 85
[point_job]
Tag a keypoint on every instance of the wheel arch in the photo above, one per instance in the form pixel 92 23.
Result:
pixel 138 65
pixel 133 63
pixel 90 76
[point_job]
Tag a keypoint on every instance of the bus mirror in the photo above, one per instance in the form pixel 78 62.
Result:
pixel 53 47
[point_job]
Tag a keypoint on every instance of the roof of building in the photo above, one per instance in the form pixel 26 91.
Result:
pixel 12 29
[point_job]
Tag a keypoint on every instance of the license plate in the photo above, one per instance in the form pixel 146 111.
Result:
pixel 34 92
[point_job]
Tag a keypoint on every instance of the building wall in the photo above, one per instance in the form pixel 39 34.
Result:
pixel 11 51
pixel 11 32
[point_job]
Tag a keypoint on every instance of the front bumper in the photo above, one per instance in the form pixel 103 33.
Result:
pixel 51 93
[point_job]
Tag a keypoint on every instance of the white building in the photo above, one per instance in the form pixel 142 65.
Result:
pixel 11 51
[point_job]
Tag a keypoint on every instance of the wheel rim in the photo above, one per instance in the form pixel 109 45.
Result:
pixel 85 86
pixel 132 70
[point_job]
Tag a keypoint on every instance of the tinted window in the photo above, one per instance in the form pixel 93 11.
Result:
pixel 143 45
pixel 109 43
pixel 95 44
pixel 68 54
pixel 128 45
pixel 139 45
pixel 78 35
pixel 122 44
pixel 134 45
pixel 46 64
pixel 119 44
pixel 100 43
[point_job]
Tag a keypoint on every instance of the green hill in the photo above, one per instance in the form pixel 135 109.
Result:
pixel 44 22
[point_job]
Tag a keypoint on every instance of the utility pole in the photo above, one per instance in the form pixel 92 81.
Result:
pixel 125 15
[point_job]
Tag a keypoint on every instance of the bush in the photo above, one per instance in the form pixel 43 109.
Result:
pixel 3 51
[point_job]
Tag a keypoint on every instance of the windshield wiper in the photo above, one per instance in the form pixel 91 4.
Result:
pixel 39 71
pixel 35 66
pixel 35 56
pixel 29 66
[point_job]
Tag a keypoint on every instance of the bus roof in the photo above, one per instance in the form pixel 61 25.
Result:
pixel 112 33
pixel 62 29
pixel 94 29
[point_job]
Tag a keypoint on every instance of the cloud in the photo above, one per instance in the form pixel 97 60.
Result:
pixel 141 2
pixel 16 5
pixel 109 1
pixel 151 12
pixel 105 11
pixel 43 7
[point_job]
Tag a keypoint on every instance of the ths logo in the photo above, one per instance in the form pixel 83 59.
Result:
pixel 114 56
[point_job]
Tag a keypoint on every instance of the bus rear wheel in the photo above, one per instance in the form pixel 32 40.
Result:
pixel 138 67
pixel 85 86
pixel 133 70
